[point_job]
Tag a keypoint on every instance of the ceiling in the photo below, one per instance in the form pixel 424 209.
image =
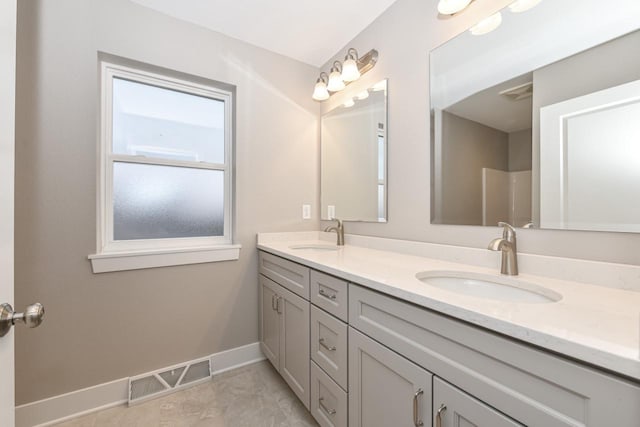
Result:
pixel 309 31
pixel 494 110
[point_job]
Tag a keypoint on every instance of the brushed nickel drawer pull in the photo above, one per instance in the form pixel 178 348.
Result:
pixel 327 410
pixel 322 343
pixel 416 421
pixel 326 295
pixel 439 415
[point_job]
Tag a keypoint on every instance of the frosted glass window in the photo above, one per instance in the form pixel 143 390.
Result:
pixel 157 202
pixel 166 163
pixel 157 122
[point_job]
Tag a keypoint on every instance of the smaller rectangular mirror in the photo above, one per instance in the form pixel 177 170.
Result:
pixel 354 158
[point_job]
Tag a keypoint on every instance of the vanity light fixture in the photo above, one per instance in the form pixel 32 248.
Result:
pixel 451 7
pixel 349 103
pixel 381 85
pixel 523 5
pixel 487 25
pixel 350 72
pixel 335 78
pixel 320 92
pixel 363 95
pixel 342 74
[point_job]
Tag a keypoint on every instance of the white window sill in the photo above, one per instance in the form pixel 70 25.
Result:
pixel 120 261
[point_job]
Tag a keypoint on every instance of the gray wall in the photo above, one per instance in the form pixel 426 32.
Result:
pixel 404 35
pixel 520 150
pixel 469 147
pixel 112 325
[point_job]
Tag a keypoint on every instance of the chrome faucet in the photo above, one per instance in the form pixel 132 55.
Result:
pixel 506 244
pixel 339 229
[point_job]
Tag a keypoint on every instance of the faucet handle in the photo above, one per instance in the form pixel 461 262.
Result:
pixel 509 232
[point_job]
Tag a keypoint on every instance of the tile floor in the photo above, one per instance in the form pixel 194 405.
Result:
pixel 252 396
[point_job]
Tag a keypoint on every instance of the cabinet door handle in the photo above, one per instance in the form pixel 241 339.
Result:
pixel 324 344
pixel 441 411
pixel 327 410
pixel 417 422
pixel 278 305
pixel 326 295
pixel 273 302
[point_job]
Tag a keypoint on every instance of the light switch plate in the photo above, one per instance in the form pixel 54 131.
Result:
pixel 331 211
pixel 306 211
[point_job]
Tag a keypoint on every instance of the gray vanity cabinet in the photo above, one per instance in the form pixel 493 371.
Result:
pixel 294 344
pixel 454 408
pixel 285 323
pixel 269 321
pixel 385 389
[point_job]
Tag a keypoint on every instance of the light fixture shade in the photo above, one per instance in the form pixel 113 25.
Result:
pixel 320 92
pixel 487 25
pixel 523 5
pixel 449 7
pixel 350 70
pixel 335 81
pixel 381 85
pixel 349 103
pixel 363 95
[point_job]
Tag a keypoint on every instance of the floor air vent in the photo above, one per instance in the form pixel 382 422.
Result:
pixel 167 380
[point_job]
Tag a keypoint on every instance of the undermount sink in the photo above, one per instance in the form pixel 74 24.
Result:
pixel 316 247
pixel 485 286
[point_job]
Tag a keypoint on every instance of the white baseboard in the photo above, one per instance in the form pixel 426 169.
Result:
pixel 77 403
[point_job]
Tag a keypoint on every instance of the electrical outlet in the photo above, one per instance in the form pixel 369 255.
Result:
pixel 331 211
pixel 306 211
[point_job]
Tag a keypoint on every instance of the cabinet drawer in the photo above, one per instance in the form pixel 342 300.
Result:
pixel 454 408
pixel 527 384
pixel 292 276
pixel 330 294
pixel 328 400
pixel 329 345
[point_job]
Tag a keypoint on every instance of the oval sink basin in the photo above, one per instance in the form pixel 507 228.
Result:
pixel 316 247
pixel 490 287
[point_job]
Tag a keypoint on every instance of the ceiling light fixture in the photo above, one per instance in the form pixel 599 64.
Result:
pixel 487 25
pixel 523 5
pixel 320 92
pixel 343 74
pixel 451 7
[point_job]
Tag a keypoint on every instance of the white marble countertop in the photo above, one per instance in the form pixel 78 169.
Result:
pixel 596 324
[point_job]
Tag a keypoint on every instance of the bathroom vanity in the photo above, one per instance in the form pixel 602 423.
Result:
pixel 365 340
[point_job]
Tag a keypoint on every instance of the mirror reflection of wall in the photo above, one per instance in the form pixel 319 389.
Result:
pixel 353 158
pixel 540 137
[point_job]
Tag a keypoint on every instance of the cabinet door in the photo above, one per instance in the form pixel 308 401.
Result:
pixel 269 321
pixel 294 343
pixel 455 408
pixel 385 389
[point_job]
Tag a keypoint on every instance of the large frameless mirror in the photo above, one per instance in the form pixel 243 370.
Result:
pixel 536 118
pixel 354 158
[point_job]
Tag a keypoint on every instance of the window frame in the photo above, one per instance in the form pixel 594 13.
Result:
pixel 107 246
